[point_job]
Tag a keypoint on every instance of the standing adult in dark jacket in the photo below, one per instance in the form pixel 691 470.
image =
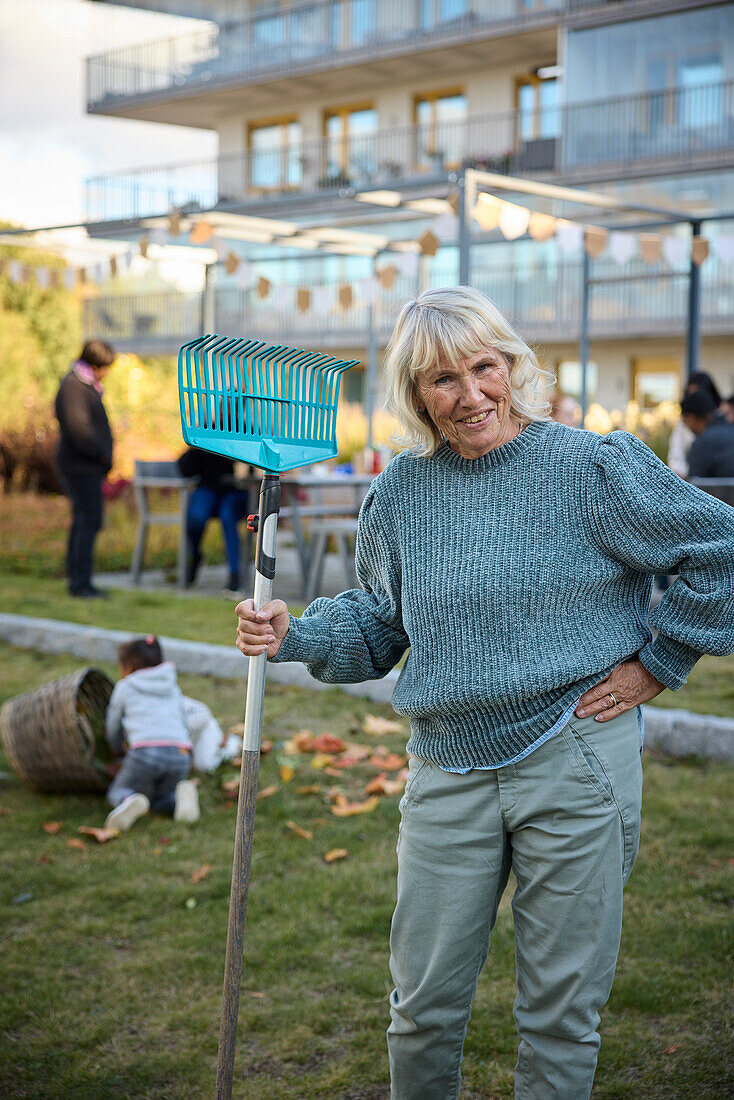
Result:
pixel 215 495
pixel 84 457
pixel 712 450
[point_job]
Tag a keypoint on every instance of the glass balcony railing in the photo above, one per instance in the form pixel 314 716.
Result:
pixel 290 38
pixel 680 127
pixel 542 300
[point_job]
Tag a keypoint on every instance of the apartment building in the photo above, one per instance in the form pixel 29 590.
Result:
pixel 320 103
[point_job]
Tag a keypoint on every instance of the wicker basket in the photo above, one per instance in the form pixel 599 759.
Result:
pixel 52 735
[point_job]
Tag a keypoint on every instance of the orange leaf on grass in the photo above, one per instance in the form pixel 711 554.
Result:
pixel 381 726
pixel 100 835
pixel 335 854
pixel 230 788
pixel 322 760
pixel 201 873
pixel 286 772
pixel 77 843
pixel 266 747
pixel 52 827
pixel 313 789
pixel 382 785
pixel 266 792
pixel 390 762
pixel 299 830
pixel 46 859
pixel 327 742
pixel 300 742
pixel 351 808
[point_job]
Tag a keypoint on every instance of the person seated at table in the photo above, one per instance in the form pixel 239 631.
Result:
pixel 712 450
pixel 216 496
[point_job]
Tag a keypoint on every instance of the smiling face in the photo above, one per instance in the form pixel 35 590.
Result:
pixel 469 402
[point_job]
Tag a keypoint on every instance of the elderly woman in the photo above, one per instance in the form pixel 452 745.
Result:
pixel 514 557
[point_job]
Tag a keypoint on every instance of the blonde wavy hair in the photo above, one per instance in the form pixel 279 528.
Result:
pixel 449 324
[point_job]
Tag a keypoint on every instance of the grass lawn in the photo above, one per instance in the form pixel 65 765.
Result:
pixel 112 956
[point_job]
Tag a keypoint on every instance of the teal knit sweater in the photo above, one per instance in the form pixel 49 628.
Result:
pixel 518 580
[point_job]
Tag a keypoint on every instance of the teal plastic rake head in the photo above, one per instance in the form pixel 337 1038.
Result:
pixel 271 406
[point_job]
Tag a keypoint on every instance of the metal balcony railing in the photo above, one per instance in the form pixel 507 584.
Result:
pixel 543 301
pixel 666 127
pixel 284 40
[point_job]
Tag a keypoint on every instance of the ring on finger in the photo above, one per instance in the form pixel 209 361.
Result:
pixel 613 697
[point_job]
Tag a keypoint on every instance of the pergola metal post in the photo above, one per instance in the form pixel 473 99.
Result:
pixel 371 381
pixel 208 322
pixel 584 335
pixel 693 335
pixel 465 212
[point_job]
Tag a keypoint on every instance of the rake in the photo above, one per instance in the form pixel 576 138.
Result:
pixel 273 407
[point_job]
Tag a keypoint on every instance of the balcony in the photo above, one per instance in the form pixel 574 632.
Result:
pixel 631 135
pixel 280 43
pixel 543 301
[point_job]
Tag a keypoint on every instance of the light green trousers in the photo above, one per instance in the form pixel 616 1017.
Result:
pixel 566 819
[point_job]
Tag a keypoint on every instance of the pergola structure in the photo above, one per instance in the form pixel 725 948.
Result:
pixel 309 229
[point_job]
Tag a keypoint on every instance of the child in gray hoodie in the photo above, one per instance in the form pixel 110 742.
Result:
pixel 146 715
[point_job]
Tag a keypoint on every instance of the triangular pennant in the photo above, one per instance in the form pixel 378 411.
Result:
pixel 675 250
pixel 622 246
pixel 570 236
pixel 113 266
pixel 15 271
pixel 158 236
pixel 699 250
pixel 54 276
pixel 368 290
pixel 245 277
pixel 428 243
pixel 542 227
pixel 446 226
pixel 282 296
pixel 723 246
pixel 303 299
pixel 408 264
pixel 651 247
pixel 513 221
pixel 387 276
pixel 42 277
pixel 201 233
pixel 174 223
pixel 81 276
pixel 263 287
pixel 221 248
pixel 595 240
pixel 143 245
pixel 70 278
pixel 321 299
pixel 231 263
pixel 345 296
pixel 487 212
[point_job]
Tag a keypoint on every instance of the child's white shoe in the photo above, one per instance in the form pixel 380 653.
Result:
pixel 187 801
pixel 124 816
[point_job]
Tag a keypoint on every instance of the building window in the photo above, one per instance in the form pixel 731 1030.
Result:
pixel 435 12
pixel 655 379
pixel 569 378
pixel 440 138
pixel 275 160
pixel 537 108
pixel 350 134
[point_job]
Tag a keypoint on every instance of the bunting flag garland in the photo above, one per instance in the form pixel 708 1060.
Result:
pixel 82 276
pixel 408 264
pixel 622 246
pixel 263 287
pixel 221 248
pixel 368 290
pixel 345 296
pixel 487 212
pixel 174 223
pixel 231 263
pixel 675 250
pixel 42 277
pixel 143 246
pixel 446 227
pixel 321 299
pixel 245 276
pixel 282 296
pixel 113 266
pixel 651 247
pixel 570 236
pixel 387 276
pixel 158 236
pixel 724 248
pixel 70 278
pixel 699 250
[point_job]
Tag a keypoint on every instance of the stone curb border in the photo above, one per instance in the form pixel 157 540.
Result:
pixel 677 733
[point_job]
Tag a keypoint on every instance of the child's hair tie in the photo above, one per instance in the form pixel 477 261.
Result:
pixel 150 639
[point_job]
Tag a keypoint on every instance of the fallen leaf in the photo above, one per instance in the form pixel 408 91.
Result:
pixel 327 742
pixel 671 1050
pixel 265 747
pixel 231 788
pixel 236 762
pixel 46 859
pixel 157 851
pixel 333 771
pixel 257 994
pixel 381 726
pixel 286 772
pixel 299 830
pixel 388 763
pixel 163 840
pixel 4 810
pixel 266 792
pixel 335 854
pixel 76 842
pixel 314 789
pixel 382 785
pixel 352 808
pixel 322 760
pixel 336 794
pixel 300 742
pixel 100 835
pixel 201 873
pixel 52 827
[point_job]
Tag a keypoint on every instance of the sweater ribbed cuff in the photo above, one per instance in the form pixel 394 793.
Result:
pixel 307 640
pixel 669 661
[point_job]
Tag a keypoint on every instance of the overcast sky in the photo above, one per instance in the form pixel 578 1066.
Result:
pixel 48 144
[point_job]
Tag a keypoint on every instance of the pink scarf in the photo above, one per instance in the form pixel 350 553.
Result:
pixel 85 374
